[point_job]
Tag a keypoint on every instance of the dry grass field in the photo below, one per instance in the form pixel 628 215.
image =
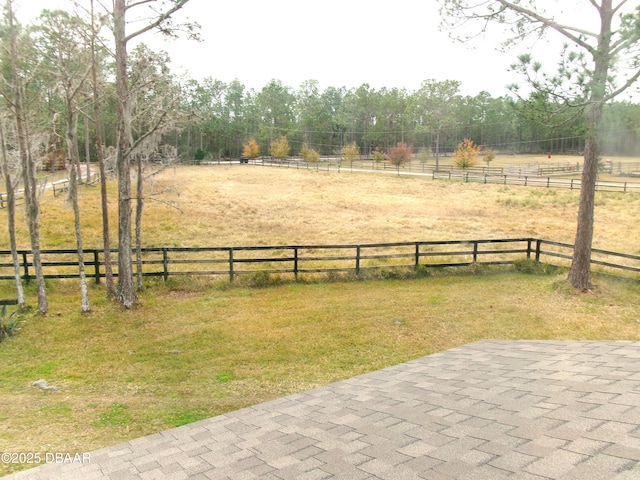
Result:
pixel 249 205
pixel 195 348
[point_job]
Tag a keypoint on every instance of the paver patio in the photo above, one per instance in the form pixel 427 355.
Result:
pixel 488 410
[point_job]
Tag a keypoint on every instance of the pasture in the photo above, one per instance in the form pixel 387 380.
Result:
pixel 250 205
pixel 195 348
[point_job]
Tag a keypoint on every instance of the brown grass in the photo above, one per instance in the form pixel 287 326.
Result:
pixel 251 205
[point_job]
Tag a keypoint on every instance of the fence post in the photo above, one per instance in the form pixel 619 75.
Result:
pixel 475 251
pixel 529 248
pixel 417 257
pixel 27 278
pixel 295 263
pixel 165 264
pixel 538 246
pixel 96 266
pixel 358 260
pixel 231 264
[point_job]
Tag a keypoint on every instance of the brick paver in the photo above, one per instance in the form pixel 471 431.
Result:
pixel 491 410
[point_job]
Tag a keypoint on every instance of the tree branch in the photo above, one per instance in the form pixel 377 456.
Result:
pixel 622 44
pixel 620 5
pixel 151 131
pixel 138 3
pixel 564 30
pixel 630 81
pixel 159 21
pixel 594 3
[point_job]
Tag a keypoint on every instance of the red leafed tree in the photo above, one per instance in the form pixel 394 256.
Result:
pixel 400 155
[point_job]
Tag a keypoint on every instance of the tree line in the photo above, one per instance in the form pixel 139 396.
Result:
pixel 435 117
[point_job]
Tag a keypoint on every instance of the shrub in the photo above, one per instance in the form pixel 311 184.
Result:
pixel 466 154
pixel 309 154
pixel 10 325
pixel 199 156
pixel 262 278
pixel 531 266
pixel 425 154
pixel 350 152
pixel 378 155
pixel 251 149
pixel 280 147
pixel 400 155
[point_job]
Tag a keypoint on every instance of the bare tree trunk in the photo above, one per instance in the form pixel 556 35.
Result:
pixel 72 146
pixel 84 292
pixel 28 165
pixel 11 220
pixel 126 293
pixel 438 149
pixel 100 150
pixel 87 149
pixel 139 208
pixel 580 272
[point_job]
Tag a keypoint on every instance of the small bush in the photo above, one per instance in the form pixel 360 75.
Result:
pixel 422 271
pixel 533 267
pixel 199 156
pixel 335 277
pixel 397 273
pixel 262 278
pixel 477 268
pixel 466 154
pixel 10 325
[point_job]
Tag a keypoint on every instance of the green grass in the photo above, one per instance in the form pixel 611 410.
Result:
pixel 192 350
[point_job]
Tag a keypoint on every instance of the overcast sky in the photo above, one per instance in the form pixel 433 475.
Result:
pixel 337 42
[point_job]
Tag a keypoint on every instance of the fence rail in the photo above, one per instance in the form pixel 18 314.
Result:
pixel 538 177
pixel 296 260
pixel 536 181
pixel 58 187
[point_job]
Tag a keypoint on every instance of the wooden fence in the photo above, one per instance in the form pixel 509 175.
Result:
pixel 58 187
pixel 540 177
pixel 536 181
pixel 297 260
pixel 4 199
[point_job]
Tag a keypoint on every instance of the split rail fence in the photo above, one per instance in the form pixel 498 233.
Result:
pixel 535 181
pixel 540 176
pixel 58 187
pixel 297 260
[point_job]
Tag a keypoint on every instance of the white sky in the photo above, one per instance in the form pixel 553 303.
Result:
pixel 337 42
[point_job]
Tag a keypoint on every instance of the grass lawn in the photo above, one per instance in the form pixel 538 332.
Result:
pixel 195 348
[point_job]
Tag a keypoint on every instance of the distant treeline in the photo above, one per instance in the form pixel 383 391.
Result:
pixel 434 117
